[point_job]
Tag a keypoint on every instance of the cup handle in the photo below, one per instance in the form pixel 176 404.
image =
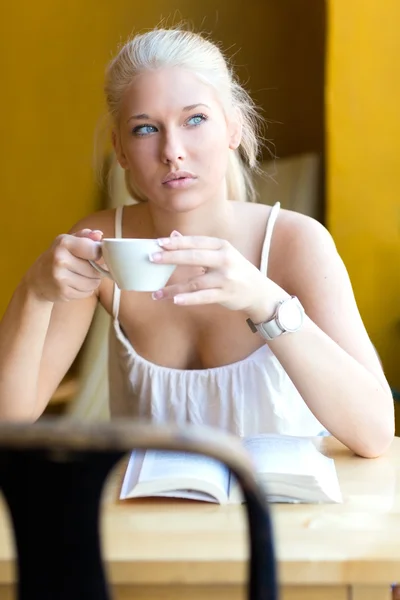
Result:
pixel 100 269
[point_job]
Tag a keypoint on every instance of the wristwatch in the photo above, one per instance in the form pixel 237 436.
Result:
pixel 288 318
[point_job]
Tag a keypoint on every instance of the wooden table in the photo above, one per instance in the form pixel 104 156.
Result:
pixel 161 549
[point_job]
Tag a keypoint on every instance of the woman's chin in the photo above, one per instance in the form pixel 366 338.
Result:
pixel 181 202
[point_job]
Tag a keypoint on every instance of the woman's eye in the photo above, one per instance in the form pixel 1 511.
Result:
pixel 144 129
pixel 196 119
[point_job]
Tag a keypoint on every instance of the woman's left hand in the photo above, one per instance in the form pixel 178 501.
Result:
pixel 227 277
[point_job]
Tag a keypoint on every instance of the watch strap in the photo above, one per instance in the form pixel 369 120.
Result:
pixel 271 329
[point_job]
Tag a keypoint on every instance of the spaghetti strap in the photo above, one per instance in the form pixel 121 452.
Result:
pixel 268 236
pixel 116 301
pixel 118 222
pixel 117 234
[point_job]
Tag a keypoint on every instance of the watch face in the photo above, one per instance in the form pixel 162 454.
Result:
pixel 290 315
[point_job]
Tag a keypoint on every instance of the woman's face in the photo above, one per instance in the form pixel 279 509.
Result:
pixel 174 138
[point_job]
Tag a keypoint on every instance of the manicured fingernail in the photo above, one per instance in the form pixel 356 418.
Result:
pixel 176 234
pixel 157 295
pixel 164 242
pixel 156 257
pixel 178 300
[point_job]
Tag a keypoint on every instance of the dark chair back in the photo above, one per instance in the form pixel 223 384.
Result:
pixel 52 475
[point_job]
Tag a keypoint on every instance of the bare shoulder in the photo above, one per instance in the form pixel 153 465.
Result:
pixel 295 228
pixel 301 245
pixel 290 226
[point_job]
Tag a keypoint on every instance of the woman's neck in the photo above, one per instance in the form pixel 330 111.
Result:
pixel 216 220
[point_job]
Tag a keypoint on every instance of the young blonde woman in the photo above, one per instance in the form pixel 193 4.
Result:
pixel 257 330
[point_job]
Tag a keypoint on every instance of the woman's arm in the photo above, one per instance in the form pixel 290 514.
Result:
pixel 45 324
pixel 331 360
pixel 39 341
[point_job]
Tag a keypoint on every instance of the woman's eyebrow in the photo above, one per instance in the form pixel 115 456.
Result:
pixel 193 106
pixel 140 117
pixel 144 116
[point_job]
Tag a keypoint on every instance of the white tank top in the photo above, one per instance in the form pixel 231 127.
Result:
pixel 253 395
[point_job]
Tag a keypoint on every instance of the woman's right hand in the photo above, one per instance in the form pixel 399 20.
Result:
pixel 63 272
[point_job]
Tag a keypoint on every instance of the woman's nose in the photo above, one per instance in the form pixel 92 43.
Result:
pixel 172 149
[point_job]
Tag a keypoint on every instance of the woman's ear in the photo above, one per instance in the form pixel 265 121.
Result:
pixel 235 129
pixel 116 142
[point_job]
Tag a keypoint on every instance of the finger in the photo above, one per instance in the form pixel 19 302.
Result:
pixel 177 242
pixel 82 284
pixel 202 282
pixel 82 267
pixel 81 247
pixel 93 234
pixel 209 296
pixel 193 257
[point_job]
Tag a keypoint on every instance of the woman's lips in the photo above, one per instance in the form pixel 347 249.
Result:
pixel 181 182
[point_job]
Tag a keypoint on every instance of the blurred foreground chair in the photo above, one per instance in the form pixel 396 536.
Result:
pixel 52 475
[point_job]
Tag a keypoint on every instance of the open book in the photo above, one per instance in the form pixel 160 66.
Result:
pixel 290 469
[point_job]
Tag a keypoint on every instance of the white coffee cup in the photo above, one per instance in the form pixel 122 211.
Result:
pixel 129 265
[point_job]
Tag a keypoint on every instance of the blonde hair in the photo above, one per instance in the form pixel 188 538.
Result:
pixel 176 47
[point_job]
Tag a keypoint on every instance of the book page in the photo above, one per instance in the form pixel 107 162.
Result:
pixel 188 495
pixel 284 454
pixel 291 469
pixel 132 473
pixel 160 464
pixel 180 475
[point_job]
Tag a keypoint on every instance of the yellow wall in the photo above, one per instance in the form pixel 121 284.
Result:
pixel 363 168
pixel 53 58
pixel 51 79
